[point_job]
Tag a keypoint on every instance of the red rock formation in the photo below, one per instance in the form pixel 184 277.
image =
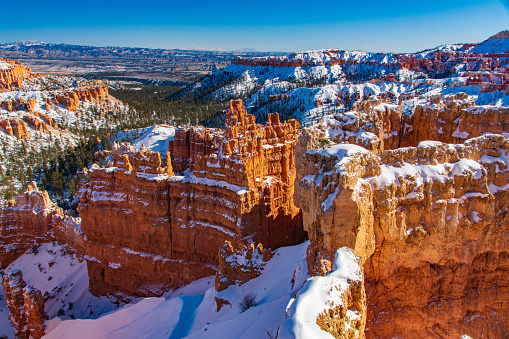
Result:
pixel 430 227
pixel 240 187
pixel 25 222
pixel 37 124
pixel 30 105
pixel 240 266
pixel 14 75
pixel 26 307
pixel 34 312
pixel 70 100
pixel 15 127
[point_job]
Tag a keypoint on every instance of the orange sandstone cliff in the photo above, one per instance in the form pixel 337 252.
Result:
pixel 25 222
pixel 235 185
pixel 429 225
pixel 12 73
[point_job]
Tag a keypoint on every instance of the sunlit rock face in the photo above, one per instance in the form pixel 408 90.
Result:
pixel 428 222
pixel 155 222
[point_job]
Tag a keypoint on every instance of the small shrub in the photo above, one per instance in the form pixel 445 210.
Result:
pixel 324 142
pixel 248 301
pixel 33 250
pixel 61 312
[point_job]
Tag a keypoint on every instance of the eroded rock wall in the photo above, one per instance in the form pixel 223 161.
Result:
pixel 13 75
pixel 234 186
pixel 429 224
pixel 380 124
pixel 25 223
pixel 26 307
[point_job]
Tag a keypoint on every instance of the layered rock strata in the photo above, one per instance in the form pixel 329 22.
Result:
pixel 26 222
pixel 236 185
pixel 380 124
pixel 429 225
pixel 26 307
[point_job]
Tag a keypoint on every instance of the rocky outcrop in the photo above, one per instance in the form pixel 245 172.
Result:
pixel 240 266
pixel 37 124
pixel 34 312
pixel 333 303
pixel 237 186
pixel 380 124
pixel 26 307
pixel 15 127
pixel 71 99
pixel 429 225
pixel 25 223
pixel 12 74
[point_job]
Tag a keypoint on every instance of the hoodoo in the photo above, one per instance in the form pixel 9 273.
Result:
pixel 149 229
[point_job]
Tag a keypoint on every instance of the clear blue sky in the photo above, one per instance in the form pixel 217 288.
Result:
pixel 377 26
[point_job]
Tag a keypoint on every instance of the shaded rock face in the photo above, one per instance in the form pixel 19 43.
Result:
pixel 240 266
pixel 26 307
pixel 429 223
pixel 25 223
pixel 13 75
pixel 148 230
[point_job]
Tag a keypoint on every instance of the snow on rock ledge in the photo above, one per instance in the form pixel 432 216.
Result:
pixel 333 306
pixel 418 217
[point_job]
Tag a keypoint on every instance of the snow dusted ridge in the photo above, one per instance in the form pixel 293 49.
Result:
pixel 311 84
pixel 39 114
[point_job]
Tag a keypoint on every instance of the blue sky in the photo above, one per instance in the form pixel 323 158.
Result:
pixel 376 26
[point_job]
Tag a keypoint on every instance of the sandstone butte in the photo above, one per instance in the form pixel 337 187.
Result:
pixel 144 229
pixel 427 221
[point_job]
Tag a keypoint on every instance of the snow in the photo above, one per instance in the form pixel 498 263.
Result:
pixel 339 151
pixel 5 325
pixel 190 312
pixel 5 66
pixel 66 281
pixel 491 46
pixel 319 294
pixel 149 318
pixel 424 173
pixel 155 138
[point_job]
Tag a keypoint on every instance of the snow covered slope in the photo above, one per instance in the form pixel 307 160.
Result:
pixel 308 85
pixel 155 138
pixel 63 281
pixel 191 312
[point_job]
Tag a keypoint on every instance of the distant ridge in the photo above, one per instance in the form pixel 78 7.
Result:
pixel 500 35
